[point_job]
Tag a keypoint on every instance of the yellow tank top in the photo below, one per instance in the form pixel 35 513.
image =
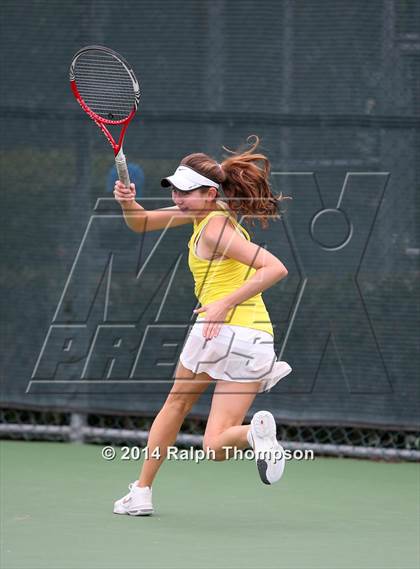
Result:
pixel 217 278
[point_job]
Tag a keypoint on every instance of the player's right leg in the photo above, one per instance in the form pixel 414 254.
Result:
pixel 185 392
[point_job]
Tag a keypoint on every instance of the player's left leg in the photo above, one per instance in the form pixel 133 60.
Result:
pixel 230 404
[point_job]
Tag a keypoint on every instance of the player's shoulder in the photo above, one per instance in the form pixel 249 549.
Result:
pixel 219 224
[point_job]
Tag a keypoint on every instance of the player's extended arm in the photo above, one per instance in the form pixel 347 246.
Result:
pixel 141 220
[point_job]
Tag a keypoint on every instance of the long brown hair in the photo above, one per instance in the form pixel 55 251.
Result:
pixel 244 176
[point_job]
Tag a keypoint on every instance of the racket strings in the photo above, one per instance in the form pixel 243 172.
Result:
pixel 105 85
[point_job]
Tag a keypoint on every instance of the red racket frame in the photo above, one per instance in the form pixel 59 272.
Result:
pixel 101 122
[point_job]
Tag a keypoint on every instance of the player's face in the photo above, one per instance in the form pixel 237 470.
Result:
pixel 196 200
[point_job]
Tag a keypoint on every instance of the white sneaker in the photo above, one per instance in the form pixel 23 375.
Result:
pixel 138 502
pixel 269 454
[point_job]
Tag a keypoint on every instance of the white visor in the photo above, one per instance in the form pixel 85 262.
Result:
pixel 186 179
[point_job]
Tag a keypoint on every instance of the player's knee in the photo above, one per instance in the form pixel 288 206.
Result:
pixel 212 449
pixel 180 403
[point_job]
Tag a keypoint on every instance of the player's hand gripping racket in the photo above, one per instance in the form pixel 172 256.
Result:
pixel 107 90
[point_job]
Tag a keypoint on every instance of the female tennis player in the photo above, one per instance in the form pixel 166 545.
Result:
pixel 231 342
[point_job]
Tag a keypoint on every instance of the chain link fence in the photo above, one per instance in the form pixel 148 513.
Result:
pixel 323 440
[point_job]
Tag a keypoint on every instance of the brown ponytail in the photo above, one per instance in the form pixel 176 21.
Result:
pixel 245 181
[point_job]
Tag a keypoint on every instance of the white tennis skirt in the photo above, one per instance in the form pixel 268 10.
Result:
pixel 237 353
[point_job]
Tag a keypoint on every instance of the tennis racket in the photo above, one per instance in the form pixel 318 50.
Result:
pixel 107 90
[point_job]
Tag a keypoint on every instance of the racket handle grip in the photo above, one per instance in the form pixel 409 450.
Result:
pixel 122 169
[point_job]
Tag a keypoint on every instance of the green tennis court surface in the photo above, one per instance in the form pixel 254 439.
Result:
pixel 329 513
